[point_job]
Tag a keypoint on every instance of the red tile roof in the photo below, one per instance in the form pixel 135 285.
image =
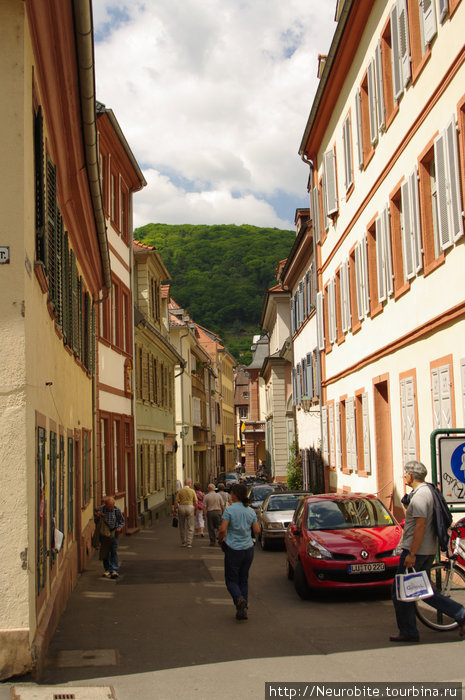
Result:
pixel 138 246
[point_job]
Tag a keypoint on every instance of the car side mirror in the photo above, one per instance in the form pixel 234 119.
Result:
pixel 295 529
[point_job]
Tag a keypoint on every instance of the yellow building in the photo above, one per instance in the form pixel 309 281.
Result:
pixel 56 264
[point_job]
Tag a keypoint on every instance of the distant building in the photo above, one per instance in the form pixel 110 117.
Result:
pixel 241 410
pixel 254 426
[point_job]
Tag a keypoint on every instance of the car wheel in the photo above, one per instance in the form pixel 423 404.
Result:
pixel 263 541
pixel 300 582
pixel 289 570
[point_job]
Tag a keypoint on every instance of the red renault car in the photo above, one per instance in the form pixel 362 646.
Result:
pixel 341 541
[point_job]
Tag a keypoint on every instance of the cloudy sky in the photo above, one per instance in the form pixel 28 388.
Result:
pixel 213 97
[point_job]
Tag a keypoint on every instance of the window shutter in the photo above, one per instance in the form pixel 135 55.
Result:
pixel 454 178
pixel 92 335
pixel 409 444
pixel 299 384
pixel 442 399
pixel 380 106
pixel 51 230
pixel 74 305
pixel 292 317
pixel 41 243
pixel 406 231
pixel 314 282
pixel 308 293
pixel 358 118
pixel 387 251
pixel 348 165
pixel 65 285
pixel 429 19
pixel 324 432
pixel 294 387
pixel 318 375
pixel 309 371
pixel 332 448
pixel 404 42
pixel 380 259
pixel 436 398
pixel 338 435
pixel 417 251
pixel 301 303
pixel 320 321
pixel 443 9
pixel 330 177
pixel 303 364
pixel 350 435
pixel 361 273
pixel 332 310
pixel 440 156
pixel 316 221
pixel 366 434
pixel 358 280
pixel 395 53
pixel 372 103
pixel 345 297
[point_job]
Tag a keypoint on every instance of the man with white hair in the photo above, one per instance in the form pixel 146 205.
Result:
pixel 419 547
pixel 115 521
pixel 185 503
pixel 213 508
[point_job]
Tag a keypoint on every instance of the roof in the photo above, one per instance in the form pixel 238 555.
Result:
pixel 165 291
pixel 141 247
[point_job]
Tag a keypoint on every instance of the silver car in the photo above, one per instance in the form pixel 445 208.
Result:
pixel 275 514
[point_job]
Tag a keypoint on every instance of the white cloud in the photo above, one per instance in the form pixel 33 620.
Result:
pixel 215 93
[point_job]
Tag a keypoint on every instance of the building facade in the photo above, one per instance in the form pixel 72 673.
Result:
pixel 385 142
pixel 55 266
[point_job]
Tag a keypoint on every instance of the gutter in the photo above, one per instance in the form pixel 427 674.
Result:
pixel 345 12
pixel 82 11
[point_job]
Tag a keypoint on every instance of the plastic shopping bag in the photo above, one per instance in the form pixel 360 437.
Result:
pixel 413 586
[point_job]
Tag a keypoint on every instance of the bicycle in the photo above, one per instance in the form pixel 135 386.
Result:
pixel 448 577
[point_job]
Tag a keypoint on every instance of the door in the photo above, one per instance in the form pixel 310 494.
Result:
pixel 383 440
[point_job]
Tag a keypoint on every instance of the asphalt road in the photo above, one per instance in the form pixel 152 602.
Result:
pixel 170 611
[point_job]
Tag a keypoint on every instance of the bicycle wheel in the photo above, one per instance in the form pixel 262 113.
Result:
pixel 450 583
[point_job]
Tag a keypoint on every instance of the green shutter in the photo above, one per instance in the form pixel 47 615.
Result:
pixel 74 305
pixel 51 228
pixel 66 292
pixel 41 247
pixel 70 484
pixel 41 542
pixel 92 336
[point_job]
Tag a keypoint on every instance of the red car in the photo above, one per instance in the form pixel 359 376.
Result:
pixel 341 541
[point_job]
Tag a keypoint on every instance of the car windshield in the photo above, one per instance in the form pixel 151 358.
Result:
pixel 259 493
pixel 340 515
pixel 286 501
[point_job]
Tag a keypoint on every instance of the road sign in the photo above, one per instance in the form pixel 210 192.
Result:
pixel 452 469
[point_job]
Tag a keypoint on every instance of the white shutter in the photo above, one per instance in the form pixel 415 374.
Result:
pixel 320 321
pixel 294 386
pixel 299 384
pixel 301 302
pixel 372 102
pixel 292 317
pixel 366 290
pixel 330 182
pixel 409 432
pixel 348 165
pixel 380 107
pixel 309 371
pixel 395 53
pixel 324 432
pixel 417 250
pixel 435 390
pixel 404 41
pixel 358 118
pixel 332 310
pixel 428 12
pixel 440 162
pixel 388 251
pixel 332 449
pixel 442 398
pixel 345 297
pixel 366 434
pixel 316 221
pixel 462 379
pixel 358 280
pixel 453 171
pixel 380 259
pixel 443 9
pixel 338 435
pixel 361 276
pixel 406 232
pixel 350 435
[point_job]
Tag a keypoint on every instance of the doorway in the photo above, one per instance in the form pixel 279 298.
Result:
pixel 383 443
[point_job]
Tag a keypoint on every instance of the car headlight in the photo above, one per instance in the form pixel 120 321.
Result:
pixel 317 551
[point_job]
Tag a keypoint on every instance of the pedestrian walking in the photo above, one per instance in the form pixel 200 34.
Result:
pixel 199 522
pixel 225 496
pixel 419 546
pixel 110 523
pixel 235 536
pixel 213 508
pixel 185 504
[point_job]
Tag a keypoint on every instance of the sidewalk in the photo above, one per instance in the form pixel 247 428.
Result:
pixel 166 629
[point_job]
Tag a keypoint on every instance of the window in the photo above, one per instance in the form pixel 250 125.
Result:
pixel 331 294
pixel 324 432
pixel 53 458
pixel 332 445
pixel 41 508
pixel 105 460
pixel 400 47
pixel 442 393
pixel 70 484
pixel 351 439
pixel 362 428
pixel 345 297
pixel 448 195
pixel 348 161
pixel 361 277
pixel 41 242
pixel 86 467
pixel 385 53
pixel 243 412
pixel 395 207
pixel 330 182
pixel 320 320
pixel 410 226
pixel 316 216
pixel 385 280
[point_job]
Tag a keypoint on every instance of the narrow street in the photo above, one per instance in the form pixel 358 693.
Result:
pixel 170 612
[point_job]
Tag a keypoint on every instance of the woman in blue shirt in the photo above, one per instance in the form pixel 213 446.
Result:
pixel 235 536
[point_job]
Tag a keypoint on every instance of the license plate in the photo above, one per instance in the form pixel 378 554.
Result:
pixel 367 568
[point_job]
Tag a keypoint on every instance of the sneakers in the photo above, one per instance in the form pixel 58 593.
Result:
pixel 106 574
pixel 114 574
pixel 241 607
pixel 189 546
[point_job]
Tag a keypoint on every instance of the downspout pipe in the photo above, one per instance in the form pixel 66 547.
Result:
pixel 82 10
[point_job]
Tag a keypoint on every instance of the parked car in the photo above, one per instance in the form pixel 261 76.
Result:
pixel 341 541
pixel 275 515
pixel 228 479
pixel 258 492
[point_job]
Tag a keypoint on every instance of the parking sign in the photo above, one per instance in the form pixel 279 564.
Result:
pixel 452 469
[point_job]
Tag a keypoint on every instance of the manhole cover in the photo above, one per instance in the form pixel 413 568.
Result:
pixel 74 658
pixel 165 571
pixel 56 692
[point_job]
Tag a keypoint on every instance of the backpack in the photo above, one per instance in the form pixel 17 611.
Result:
pixel 442 517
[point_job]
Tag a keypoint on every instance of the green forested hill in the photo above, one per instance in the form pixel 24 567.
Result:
pixel 220 274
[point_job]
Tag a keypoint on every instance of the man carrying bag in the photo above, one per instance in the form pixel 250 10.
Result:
pixel 419 547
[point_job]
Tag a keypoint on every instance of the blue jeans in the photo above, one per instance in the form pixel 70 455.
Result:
pixel 237 563
pixel 110 563
pixel 405 612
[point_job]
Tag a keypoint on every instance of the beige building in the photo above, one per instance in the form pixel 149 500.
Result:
pixel 385 142
pixel 55 263
pixel 120 177
pixel 157 362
